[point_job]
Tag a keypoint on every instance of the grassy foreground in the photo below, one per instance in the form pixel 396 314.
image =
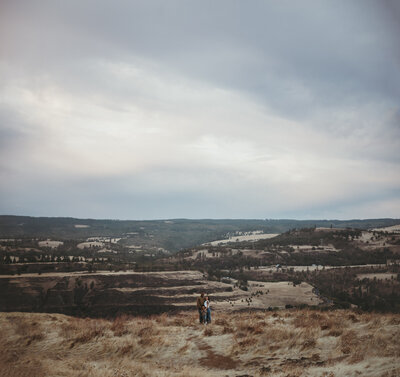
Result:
pixel 286 343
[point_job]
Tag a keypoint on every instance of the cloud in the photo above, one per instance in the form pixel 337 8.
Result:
pixel 142 110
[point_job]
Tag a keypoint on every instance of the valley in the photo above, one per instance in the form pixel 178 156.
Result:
pixel 102 275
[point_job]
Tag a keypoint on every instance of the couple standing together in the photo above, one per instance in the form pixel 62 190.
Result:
pixel 203 306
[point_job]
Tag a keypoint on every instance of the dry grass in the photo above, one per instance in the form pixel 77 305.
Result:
pixel 83 331
pixel 118 327
pixel 28 331
pixel 208 331
pixel 287 343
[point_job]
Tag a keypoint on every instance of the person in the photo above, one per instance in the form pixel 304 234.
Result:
pixel 207 317
pixel 200 305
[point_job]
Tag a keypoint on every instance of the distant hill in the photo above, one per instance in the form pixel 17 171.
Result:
pixel 173 235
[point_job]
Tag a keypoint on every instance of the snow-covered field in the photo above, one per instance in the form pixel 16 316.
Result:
pixel 49 243
pixel 390 229
pixel 248 237
pixel 87 245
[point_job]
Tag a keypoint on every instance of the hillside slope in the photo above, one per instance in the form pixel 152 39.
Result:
pixel 286 343
pixel 171 235
pixel 109 293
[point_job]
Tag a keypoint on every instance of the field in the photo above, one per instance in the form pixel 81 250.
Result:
pixel 249 237
pixel 383 276
pixel 393 228
pixel 289 343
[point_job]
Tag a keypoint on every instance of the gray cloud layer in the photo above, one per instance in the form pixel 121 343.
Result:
pixel 200 109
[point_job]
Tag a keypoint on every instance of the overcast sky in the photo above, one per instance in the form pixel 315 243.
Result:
pixel 200 109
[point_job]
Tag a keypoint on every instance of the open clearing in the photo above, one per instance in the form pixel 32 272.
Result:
pixel 249 237
pixel 88 245
pixel 378 276
pixel 314 267
pixel 49 243
pixel 390 229
pixel 261 295
pixel 311 248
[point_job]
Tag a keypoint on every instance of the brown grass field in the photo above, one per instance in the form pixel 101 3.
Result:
pixel 285 343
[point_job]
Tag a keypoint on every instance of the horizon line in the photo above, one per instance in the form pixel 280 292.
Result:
pixel 201 219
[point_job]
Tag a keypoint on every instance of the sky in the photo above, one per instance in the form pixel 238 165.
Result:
pixel 200 109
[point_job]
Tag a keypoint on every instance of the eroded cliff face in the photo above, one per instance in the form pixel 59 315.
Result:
pixel 102 294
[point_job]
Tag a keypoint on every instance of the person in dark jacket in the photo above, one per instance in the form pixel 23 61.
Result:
pixel 200 304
